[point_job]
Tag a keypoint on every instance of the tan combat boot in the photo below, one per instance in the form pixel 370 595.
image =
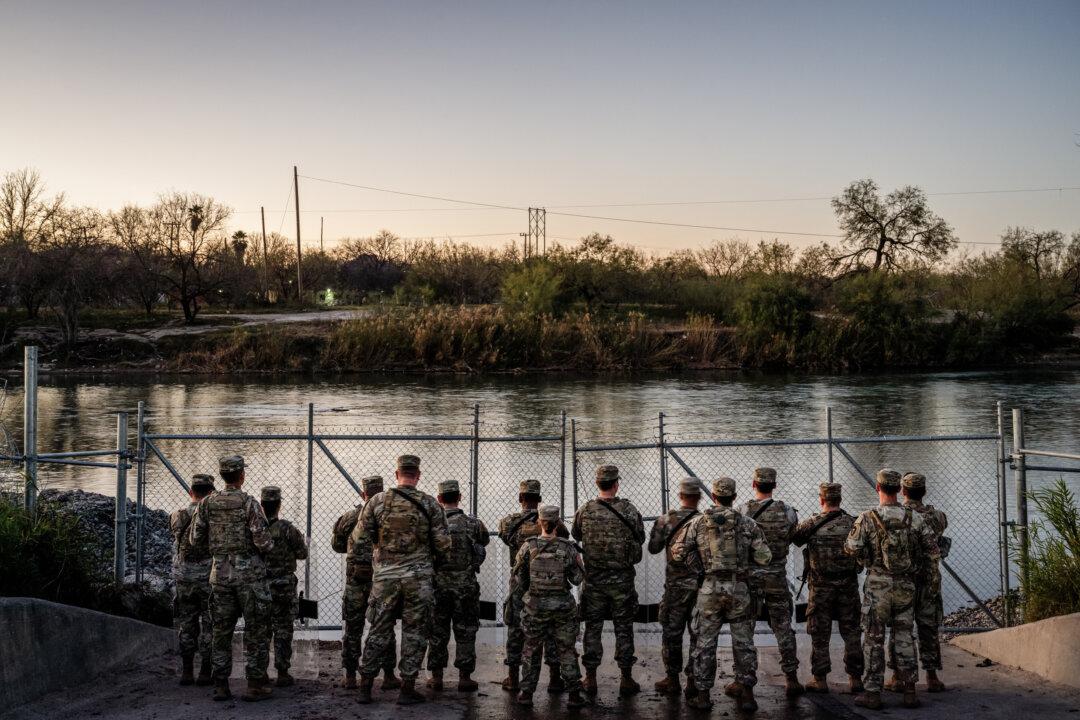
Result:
pixel 408 695
pixel 855 685
pixel 510 682
pixel 465 683
pixel 435 682
pixel 221 689
pixel 911 700
pixel 747 703
pixel 390 681
pixel 187 670
pixel 933 682
pixel 734 689
pixel 284 679
pixel 555 681
pixel 691 688
pixel 869 700
pixel 668 686
pixel 792 686
pixel 366 684
pixel 893 684
pixel 627 684
pixel 589 683
pixel 576 699
pixel 204 678
pixel 257 690
pixel 820 684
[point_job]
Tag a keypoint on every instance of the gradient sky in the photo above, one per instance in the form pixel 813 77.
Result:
pixel 550 104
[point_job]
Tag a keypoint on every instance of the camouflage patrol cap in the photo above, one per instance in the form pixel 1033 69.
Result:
pixel 888 478
pixel 913 481
pixel 202 481
pixel 408 462
pixel 449 486
pixel 607 473
pixel 831 491
pixel 764 474
pixel 689 486
pixel 230 463
pixel 723 487
pixel 548 512
pixel 372 484
pixel 529 487
pixel 270 493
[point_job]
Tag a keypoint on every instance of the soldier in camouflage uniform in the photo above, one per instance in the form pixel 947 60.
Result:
pixel 723 545
pixel 769 585
pixel 289 546
pixel 611 533
pixel 834 589
pixel 408 529
pixel 232 525
pixel 191 576
pixel 514 530
pixel 680 588
pixel 457 593
pixel 354 601
pixel 545 568
pixel 891 542
pixel 928 607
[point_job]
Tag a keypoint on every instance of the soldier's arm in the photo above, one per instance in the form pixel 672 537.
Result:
pixel 639 526
pixel 198 533
pixel 176 528
pixel 260 530
pixel 800 534
pixel 761 554
pixel 562 531
pixel 944 521
pixel 855 544
pixel 482 535
pixel 297 543
pixel 793 520
pixel 504 530
pixel 519 577
pixel 439 531
pixel 575 531
pixel 576 572
pixel 365 530
pixel 658 535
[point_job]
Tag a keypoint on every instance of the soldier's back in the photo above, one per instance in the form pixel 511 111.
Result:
pixel 610 546
pixel 777 520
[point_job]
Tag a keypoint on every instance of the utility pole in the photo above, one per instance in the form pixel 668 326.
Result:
pixel 525 245
pixel 320 234
pixel 538 229
pixel 266 274
pixel 299 252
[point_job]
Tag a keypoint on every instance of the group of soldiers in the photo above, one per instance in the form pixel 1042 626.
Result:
pixel 414 558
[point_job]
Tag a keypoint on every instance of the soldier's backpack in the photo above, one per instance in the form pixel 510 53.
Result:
pixel 547 569
pixel 343 529
pixel 461 552
pixel 723 542
pixel 896 543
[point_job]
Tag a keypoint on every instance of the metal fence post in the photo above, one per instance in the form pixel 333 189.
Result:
pixel 30 388
pixel 140 491
pixel 562 462
pixel 120 546
pixel 1003 515
pixel 310 476
pixel 573 459
pixel 474 460
pixel 663 470
pixel 1020 465
pixel 828 435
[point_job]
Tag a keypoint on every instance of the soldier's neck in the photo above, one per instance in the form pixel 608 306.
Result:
pixel 531 507
pixel 448 507
pixel 607 495
pixel 758 495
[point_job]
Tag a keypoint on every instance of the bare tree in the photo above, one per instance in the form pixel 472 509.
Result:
pixel 887 233
pixel 74 254
pixel 26 220
pixel 1041 251
pixel 140 266
pixel 726 258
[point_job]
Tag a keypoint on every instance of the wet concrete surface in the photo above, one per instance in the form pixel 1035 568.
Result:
pixel 150 690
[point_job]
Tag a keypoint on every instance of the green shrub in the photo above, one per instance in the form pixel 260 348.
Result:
pixel 1053 567
pixel 533 289
pixel 774 319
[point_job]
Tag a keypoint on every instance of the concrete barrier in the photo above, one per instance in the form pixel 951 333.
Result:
pixel 45 646
pixel 1048 648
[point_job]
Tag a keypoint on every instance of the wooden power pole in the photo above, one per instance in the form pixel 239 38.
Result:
pixel 266 273
pixel 299 252
pixel 320 234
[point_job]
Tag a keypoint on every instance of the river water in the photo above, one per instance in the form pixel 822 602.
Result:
pixel 78 414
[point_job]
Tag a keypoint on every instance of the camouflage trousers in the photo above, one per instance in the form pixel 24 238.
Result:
pixel 839 603
pixel 928 614
pixel 676 612
pixel 284 606
pixel 887 603
pixel 354 611
pixel 414 596
pixel 720 601
pixel 515 635
pixel 618 601
pixel 194 627
pixel 545 626
pixel 457 607
pixel 228 603
pixel 771 589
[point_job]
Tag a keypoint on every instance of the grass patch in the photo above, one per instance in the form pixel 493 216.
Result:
pixel 1053 568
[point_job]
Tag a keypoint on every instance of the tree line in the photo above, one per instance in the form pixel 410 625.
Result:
pixel 893 280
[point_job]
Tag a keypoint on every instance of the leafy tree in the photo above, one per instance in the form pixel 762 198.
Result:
pixel 533 289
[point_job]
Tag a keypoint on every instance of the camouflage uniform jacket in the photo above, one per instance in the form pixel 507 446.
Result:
pixel 232 524
pixel 610 547
pixel 676 573
pixel 544 570
pixel 865 541
pixel 407 540
pixel 289 546
pixel 358 552
pixel 777 521
pixel 828 564
pixel 703 545
pixel 516 528
pixel 468 536
pixel 190 564
pixel 934 518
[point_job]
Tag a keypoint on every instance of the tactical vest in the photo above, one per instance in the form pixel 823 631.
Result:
pixel 402 527
pixel 608 542
pixel 828 561
pixel 460 556
pixel 529 528
pixel 229 533
pixel 280 561
pixel 547 566
pixel 776 525
pixel 718 542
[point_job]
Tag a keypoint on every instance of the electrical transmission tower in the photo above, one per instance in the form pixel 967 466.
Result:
pixel 536 239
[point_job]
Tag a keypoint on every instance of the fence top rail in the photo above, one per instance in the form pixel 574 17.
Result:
pixel 617 446
pixel 303 436
pixel 791 441
pixel 1048 453
pixel 519 438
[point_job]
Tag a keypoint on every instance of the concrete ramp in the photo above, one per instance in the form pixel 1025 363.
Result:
pixel 45 646
pixel 1048 648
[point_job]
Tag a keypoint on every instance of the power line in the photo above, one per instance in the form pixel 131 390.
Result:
pixel 692 226
pixel 416 195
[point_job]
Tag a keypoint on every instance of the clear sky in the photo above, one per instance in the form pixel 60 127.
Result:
pixel 550 104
